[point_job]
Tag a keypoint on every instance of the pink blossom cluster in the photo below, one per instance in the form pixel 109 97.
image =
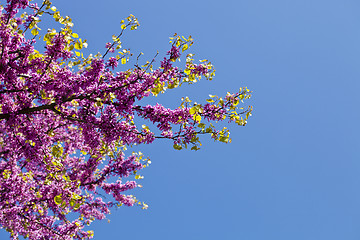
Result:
pixel 64 132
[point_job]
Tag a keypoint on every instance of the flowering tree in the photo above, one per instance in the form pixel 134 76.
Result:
pixel 66 120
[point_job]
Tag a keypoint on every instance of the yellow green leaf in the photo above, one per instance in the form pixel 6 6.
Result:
pixel 90 233
pixel 195 148
pixel 192 110
pixel 248 115
pixel 123 26
pixel 76 197
pixel 58 199
pixel 197 118
pixel 187 71
pixel 123 60
pixel 57 151
pixel 177 147
pixel 78 46
pixel 77 206
pixel 75 35
pixel 34 32
pixel 185 47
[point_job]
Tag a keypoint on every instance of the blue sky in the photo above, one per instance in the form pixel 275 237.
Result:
pixel 294 171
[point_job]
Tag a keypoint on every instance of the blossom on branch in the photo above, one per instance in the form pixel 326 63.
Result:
pixel 66 121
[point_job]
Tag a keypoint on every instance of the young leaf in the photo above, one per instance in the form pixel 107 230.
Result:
pixel 58 199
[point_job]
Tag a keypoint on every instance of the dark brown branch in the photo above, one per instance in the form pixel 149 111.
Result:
pixel 11 91
pixel 28 110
